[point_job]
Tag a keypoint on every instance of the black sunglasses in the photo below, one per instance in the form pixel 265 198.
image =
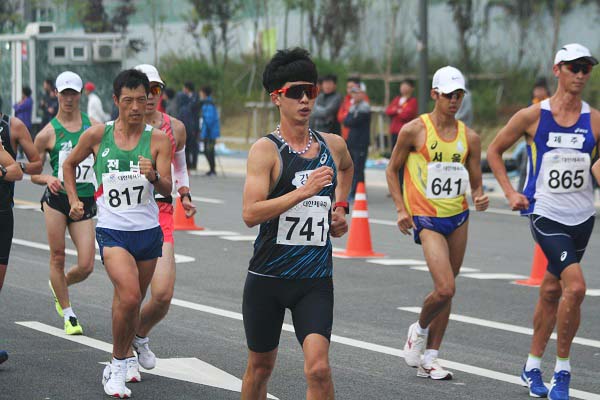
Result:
pixel 457 94
pixel 297 91
pixel 578 67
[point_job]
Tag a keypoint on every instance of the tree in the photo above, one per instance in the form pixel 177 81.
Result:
pixel 93 17
pixel 10 17
pixel 520 11
pixel 156 23
pixel 462 14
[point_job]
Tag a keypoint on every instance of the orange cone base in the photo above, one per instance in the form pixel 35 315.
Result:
pixel 529 282
pixel 182 223
pixel 357 254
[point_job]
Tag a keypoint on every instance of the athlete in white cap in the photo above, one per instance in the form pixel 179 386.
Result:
pixel 57 139
pixel 440 157
pixel 562 135
pixel 163 280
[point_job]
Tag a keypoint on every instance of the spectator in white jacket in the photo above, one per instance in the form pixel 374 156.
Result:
pixel 94 106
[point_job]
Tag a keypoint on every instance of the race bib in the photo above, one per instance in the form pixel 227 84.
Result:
pixel 446 180
pixel 566 173
pixel 124 190
pixel 84 173
pixel 566 140
pixel 305 224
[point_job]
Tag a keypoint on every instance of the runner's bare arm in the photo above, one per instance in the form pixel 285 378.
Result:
pixel 161 153
pixel 473 165
pixel 13 170
pixel 519 124
pixel 19 131
pixel 43 143
pixel 95 122
pixel 88 143
pixel 180 167
pixel 262 159
pixel 407 140
pixel 345 171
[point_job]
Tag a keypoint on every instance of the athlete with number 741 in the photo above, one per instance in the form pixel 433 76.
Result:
pixel 440 157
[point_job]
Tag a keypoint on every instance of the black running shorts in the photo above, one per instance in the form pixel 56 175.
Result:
pixel 6 234
pixel 265 301
pixel 60 202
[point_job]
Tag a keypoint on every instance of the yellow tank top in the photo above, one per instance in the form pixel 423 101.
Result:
pixel 435 150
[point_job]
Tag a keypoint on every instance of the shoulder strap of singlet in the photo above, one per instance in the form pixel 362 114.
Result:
pixel 585 107
pixel 319 137
pixel 545 104
pixel 278 143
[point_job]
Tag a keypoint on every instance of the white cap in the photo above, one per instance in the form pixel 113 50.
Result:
pixel 69 80
pixel 151 72
pixel 574 51
pixel 448 79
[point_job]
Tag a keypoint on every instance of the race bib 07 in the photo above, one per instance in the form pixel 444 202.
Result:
pixel 84 173
pixel 305 224
pixel 446 180
pixel 566 173
pixel 124 190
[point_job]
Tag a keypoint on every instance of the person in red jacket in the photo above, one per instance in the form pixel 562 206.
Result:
pixel 346 104
pixel 402 109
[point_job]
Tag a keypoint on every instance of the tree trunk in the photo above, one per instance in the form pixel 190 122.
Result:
pixel 285 26
pixel 556 19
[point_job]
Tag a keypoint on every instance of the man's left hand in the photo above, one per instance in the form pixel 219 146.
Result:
pixel 339 226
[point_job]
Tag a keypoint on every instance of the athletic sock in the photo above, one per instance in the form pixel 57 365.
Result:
pixel 430 355
pixel 533 362
pixel 68 312
pixel 562 364
pixel 422 331
pixel 119 362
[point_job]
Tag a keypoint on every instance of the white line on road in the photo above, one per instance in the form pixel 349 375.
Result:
pixel 240 238
pixel 502 326
pixel 499 376
pixel 462 269
pixel 179 258
pixel 493 276
pixel 208 200
pixel 397 261
pixel 592 292
pixel 212 233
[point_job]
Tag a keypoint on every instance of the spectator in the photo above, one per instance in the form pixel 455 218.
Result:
pixel 402 109
pixel 465 112
pixel 94 106
pixel 210 128
pixel 170 104
pixel 540 91
pixel 327 104
pixel 188 105
pixel 346 103
pixel 358 122
pixel 24 107
pixel 48 102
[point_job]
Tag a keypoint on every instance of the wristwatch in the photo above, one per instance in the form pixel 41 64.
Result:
pixel 188 195
pixel 22 165
pixel 3 170
pixel 157 177
pixel 344 204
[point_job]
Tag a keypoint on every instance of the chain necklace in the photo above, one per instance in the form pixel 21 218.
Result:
pixel 310 140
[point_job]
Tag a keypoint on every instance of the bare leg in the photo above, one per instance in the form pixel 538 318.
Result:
pixel 544 317
pixel 569 308
pixel 316 368
pixel 258 371
pixel 82 233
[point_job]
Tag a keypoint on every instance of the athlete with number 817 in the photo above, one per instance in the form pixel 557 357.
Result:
pixel 441 158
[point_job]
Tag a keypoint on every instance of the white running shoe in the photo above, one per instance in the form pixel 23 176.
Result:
pixel 414 347
pixel 133 370
pixel 146 357
pixel 113 380
pixel 434 370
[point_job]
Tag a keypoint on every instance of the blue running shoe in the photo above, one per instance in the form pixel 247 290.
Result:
pixel 533 380
pixel 3 356
pixel 559 387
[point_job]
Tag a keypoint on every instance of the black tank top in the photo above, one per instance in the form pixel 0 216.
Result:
pixel 7 189
pixel 296 244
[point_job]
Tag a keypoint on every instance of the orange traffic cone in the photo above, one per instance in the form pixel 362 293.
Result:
pixel 538 268
pixel 359 239
pixel 183 223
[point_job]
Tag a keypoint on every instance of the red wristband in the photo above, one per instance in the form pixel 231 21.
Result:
pixel 344 204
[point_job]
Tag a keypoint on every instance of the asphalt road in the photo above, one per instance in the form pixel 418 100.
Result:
pixel 486 347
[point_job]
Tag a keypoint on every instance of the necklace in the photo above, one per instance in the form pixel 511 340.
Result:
pixel 310 140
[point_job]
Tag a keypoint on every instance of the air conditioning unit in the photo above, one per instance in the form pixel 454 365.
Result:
pixel 35 28
pixel 107 51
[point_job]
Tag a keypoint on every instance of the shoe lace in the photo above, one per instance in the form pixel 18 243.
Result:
pixel 561 377
pixel 536 376
pixel 73 321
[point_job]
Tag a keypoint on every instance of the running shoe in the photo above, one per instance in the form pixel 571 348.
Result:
pixel 434 370
pixel 133 370
pixel 533 380
pixel 72 327
pixel 3 356
pixel 559 386
pixel 113 380
pixel 59 309
pixel 146 357
pixel 414 346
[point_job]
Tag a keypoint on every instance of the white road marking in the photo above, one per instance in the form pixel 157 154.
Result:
pixel 462 269
pixel 28 207
pixel 592 292
pixel 212 233
pixel 179 258
pixel 493 276
pixel 208 200
pixel 502 326
pixel 487 373
pixel 382 222
pixel 240 238
pixel 183 369
pixel 397 261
